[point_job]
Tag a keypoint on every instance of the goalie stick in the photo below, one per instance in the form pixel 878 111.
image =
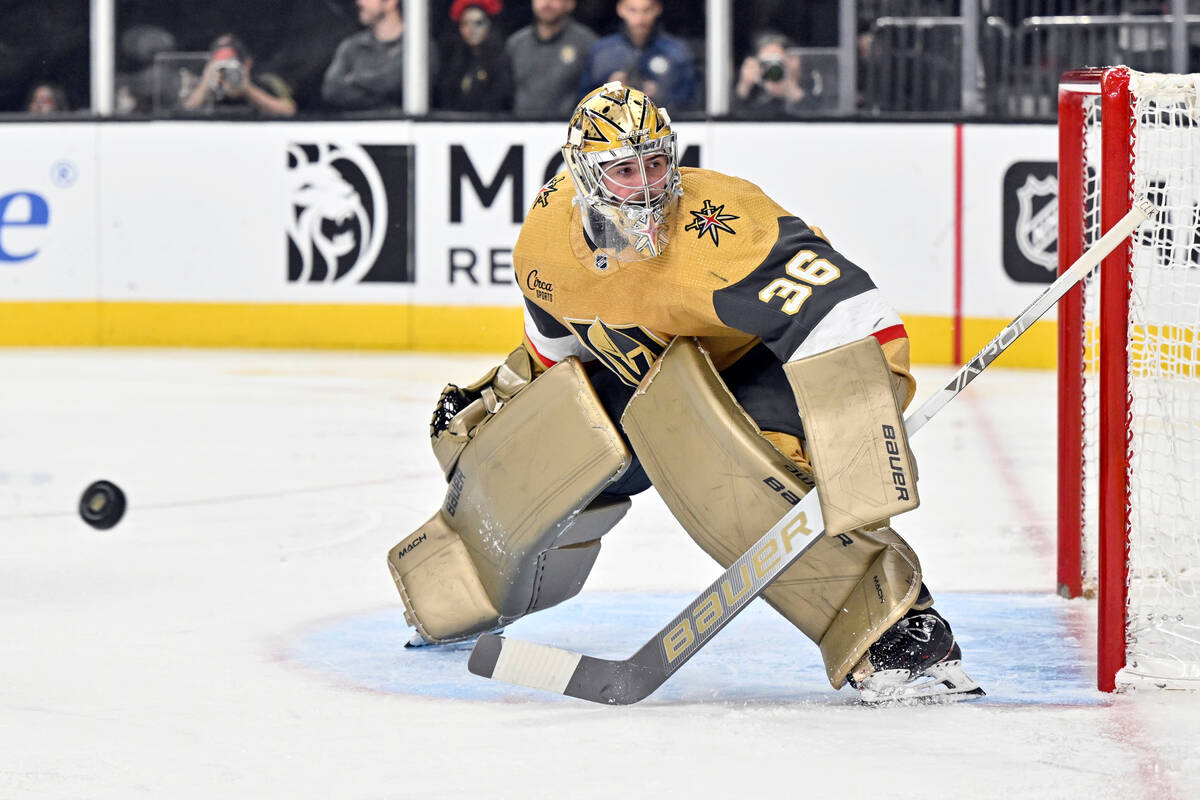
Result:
pixel 618 682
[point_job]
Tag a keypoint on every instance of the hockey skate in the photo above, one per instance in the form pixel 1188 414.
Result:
pixel 915 661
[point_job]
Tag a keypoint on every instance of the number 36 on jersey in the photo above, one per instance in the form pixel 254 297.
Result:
pixel 804 271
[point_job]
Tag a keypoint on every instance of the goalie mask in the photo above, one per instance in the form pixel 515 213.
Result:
pixel 621 154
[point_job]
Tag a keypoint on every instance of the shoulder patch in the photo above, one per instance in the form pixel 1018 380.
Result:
pixel 712 220
pixel 543 195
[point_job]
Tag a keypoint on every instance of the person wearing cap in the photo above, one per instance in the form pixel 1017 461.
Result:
pixel 229 83
pixel 478 75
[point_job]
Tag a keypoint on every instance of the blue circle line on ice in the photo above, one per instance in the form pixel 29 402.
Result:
pixel 1024 649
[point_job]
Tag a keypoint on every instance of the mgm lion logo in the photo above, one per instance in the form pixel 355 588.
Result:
pixel 339 213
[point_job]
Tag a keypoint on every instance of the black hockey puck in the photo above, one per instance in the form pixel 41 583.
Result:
pixel 102 505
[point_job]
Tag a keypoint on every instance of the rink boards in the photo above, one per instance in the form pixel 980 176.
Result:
pixel 398 234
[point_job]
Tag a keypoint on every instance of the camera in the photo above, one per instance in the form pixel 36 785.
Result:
pixel 231 72
pixel 773 69
pixel 228 64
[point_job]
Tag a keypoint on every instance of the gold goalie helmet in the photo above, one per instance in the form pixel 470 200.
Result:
pixel 622 157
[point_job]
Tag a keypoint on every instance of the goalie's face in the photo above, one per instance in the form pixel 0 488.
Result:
pixel 637 179
pixel 634 191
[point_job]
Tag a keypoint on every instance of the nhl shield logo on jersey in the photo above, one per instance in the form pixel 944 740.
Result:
pixel 627 350
pixel 543 195
pixel 712 220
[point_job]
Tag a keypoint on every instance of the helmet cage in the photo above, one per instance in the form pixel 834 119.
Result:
pixel 633 227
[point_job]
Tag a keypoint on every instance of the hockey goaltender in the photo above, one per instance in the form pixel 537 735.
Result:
pixel 683 330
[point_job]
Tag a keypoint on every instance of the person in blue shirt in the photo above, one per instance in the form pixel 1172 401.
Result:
pixel 641 55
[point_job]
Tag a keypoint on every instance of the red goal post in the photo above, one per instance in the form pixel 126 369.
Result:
pixel 1129 373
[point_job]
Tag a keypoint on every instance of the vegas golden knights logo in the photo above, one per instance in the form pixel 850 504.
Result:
pixel 543 195
pixel 627 350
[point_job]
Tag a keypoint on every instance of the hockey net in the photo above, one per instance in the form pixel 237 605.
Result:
pixel 1129 373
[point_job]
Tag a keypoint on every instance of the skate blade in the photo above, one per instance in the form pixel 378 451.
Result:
pixel 942 683
pixel 418 640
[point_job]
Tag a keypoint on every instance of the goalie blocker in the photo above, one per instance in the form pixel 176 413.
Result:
pixel 510 538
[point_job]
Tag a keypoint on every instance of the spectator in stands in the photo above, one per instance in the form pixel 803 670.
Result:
pixel 642 56
pixel 230 84
pixel 47 98
pixel 864 51
pixel 768 82
pixel 303 42
pixel 477 74
pixel 367 71
pixel 136 86
pixel 547 59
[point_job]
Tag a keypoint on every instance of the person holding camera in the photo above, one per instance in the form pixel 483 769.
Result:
pixel 769 81
pixel 229 83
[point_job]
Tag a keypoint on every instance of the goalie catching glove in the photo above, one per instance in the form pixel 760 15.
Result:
pixel 461 411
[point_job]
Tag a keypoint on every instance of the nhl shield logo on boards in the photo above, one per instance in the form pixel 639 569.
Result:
pixel 1037 231
pixel 1030 221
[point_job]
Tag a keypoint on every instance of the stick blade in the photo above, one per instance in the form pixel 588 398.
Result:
pixel 552 669
pixel 523 663
pixel 614 683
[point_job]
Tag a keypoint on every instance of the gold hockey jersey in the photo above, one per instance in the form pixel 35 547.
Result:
pixel 737 269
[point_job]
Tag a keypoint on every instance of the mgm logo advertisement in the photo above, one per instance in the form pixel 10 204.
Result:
pixel 350 213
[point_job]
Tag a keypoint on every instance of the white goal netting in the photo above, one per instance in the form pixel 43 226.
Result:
pixel 1163 427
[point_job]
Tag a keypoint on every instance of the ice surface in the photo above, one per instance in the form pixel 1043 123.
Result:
pixel 238 635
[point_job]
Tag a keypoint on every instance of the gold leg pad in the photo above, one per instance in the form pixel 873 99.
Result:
pixel 520 525
pixel 884 594
pixel 855 435
pixel 522 482
pixel 443 596
pixel 727 485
